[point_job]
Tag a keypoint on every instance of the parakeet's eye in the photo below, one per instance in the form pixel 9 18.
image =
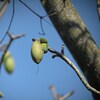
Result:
pixel 36 52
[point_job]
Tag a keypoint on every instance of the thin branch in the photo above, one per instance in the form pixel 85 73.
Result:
pixel 29 8
pixel 42 28
pixel 3 7
pixel 66 96
pixel 60 97
pixel 54 92
pixel 10 22
pixel 12 38
pixel 2 48
pixel 41 17
pixel 86 84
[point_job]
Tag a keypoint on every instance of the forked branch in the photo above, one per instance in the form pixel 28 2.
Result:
pixel 12 38
pixel 83 80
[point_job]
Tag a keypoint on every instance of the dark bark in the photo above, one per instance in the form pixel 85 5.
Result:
pixel 77 38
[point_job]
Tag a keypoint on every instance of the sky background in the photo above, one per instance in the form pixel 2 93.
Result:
pixel 24 84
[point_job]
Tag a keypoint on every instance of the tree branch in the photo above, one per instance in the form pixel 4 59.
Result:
pixel 12 17
pixel 12 38
pixel 77 38
pixel 59 97
pixel 63 57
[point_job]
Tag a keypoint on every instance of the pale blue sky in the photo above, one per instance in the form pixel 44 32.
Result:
pixel 24 84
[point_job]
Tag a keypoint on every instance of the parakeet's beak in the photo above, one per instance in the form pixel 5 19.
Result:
pixel 33 39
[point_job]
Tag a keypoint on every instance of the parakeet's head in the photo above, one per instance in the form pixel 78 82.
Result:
pixel 43 40
pixel 35 39
pixel 44 44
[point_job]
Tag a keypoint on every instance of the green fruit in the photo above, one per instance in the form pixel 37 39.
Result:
pixel 44 44
pixel 1 94
pixel 36 52
pixel 8 62
pixel 7 54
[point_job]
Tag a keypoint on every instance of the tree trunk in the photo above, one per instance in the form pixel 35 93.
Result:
pixel 77 38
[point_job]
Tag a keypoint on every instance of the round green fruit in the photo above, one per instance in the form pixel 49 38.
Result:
pixel 7 55
pixel 36 52
pixel 9 64
pixel 1 94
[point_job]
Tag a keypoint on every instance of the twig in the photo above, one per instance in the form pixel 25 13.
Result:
pixel 12 37
pixel 10 22
pixel 3 7
pixel 2 48
pixel 41 27
pixel 60 97
pixel 86 84
pixel 41 17
pixel 66 96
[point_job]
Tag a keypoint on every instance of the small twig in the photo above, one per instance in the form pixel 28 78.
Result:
pixel 66 96
pixel 10 22
pixel 42 27
pixel 41 17
pixel 12 37
pixel 3 7
pixel 86 84
pixel 60 97
pixel 2 48
pixel 62 49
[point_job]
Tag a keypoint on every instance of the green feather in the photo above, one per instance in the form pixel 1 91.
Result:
pixel 44 44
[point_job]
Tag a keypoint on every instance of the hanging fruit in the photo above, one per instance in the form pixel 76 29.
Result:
pixel 36 51
pixel 1 94
pixel 8 62
pixel 44 44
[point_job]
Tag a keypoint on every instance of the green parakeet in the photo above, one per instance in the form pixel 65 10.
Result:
pixel 44 44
